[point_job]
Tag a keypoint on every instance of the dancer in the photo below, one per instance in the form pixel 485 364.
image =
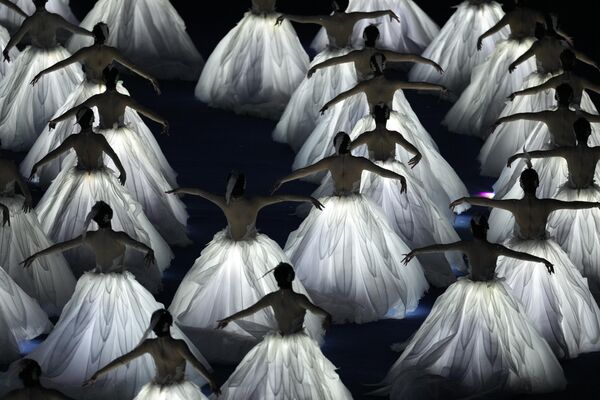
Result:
pixel 348 256
pixel 63 208
pixel 142 157
pixel 107 315
pixel 560 306
pixel 482 101
pixel 231 273
pixel 13 54
pixel 302 111
pixel 150 33
pixel 49 281
pixel 455 48
pixel 30 374
pixel 16 131
pixel 576 231
pixel 296 358
pixel 255 69
pixel 449 355
pixel 18 10
pixel 170 357
pixel 412 35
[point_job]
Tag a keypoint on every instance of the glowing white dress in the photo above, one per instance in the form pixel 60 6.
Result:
pixel 21 318
pixel 176 390
pixel 230 276
pixel 350 260
pixel 455 48
pixel 12 21
pixel 25 110
pixel 49 280
pixel 483 100
pixel 65 205
pixel 14 52
pixel 148 32
pixel 412 34
pixel 290 367
pixel 476 339
pixel 255 68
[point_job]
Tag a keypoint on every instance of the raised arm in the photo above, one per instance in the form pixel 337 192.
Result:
pixel 119 362
pixel 392 56
pixel 308 305
pixel 126 240
pixel 524 57
pixel 322 165
pixel 148 113
pixel 350 57
pixel 66 25
pixel 494 29
pixel 561 152
pixel 57 248
pixel 77 57
pixel 213 198
pixel 264 201
pixel 118 57
pixel 430 87
pixel 483 202
pixel 506 252
pixel 385 173
pixel 593 118
pixel 262 303
pixel 17 37
pixel 359 15
pixel 184 351
pixel 359 88
pixel 584 58
pixel 436 248
pixel 13 7
pixel 110 152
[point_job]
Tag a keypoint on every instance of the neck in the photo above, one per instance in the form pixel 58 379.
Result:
pixel 381 125
pixel 106 227
pixel 563 106
pixel 529 195
pixel 369 44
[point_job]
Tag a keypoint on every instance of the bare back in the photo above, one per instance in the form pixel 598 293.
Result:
pixel 560 124
pixel 8 177
pixel 380 144
pixel 89 148
pixel 346 172
pixel 379 90
pixel 483 257
pixel 241 214
pixel 168 359
pixel 577 84
pixel 582 163
pixel 522 22
pixel 531 216
pixel 289 311
pixel 42 29
pixel 362 62
pixel 108 249
pixel 95 59
pixel 339 27
pixel 547 55
pixel 263 6
pixel 111 107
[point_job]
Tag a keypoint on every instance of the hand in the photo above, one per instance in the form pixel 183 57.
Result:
pixel 280 20
pixel 165 130
pixel 311 72
pixel 155 85
pixel 318 205
pixel 6 56
pixel 149 258
pixel 172 191
pixel 512 97
pixel 322 110
pixel 402 184
pixel 34 171
pixel 438 68
pixel 393 16
pixel 276 186
pixel 51 125
pixel 479 44
pixel 28 262
pixel 511 160
pixel 549 267
pixel 495 125
pixel 457 203
pixel 5 216
pixel 511 68
pixel 415 160
pixel 91 381
pixel 327 322
pixel 222 323
pixel 36 79
pixel 27 204
pixel 123 178
pixel 215 388
pixel 445 92
pixel 408 257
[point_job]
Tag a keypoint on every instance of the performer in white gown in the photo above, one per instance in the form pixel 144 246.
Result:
pixel 560 306
pixel 554 129
pixel 30 373
pixel 576 231
pixel 107 316
pixel 477 338
pixel 255 69
pixel 18 131
pixel 296 369
pixel 348 256
pixel 482 101
pixel 455 48
pixel 302 111
pixel 232 273
pixel 5 35
pixel 412 35
pixel 77 188
pixel 49 281
pixel 150 33
pixel 170 357
pixel 95 59
pixel 12 21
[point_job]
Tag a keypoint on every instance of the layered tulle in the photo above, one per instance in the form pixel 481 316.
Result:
pixel 350 261
pixel 483 100
pixel 12 21
pixel 177 391
pixel 288 367
pixel 21 318
pixel 150 33
pixel 228 277
pixel 64 207
pixel 25 110
pixel 559 305
pixel 477 339
pixel 302 111
pixel 455 48
pixel 106 318
pixel 255 68
pixel 49 279
pixel 14 52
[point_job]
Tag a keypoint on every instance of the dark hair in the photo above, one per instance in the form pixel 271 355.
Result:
pixel 102 212
pixel 381 113
pixel 530 180
pixel 564 94
pixel 371 34
pixel 375 62
pixel 583 130
pixel 110 76
pixel 161 322
pixel 239 188
pixel 284 275
pixel 30 373
pixel 342 143
pixel 100 32
pixel 540 30
pixel 38 3
pixel 480 228
pixel 85 117
pixel 567 59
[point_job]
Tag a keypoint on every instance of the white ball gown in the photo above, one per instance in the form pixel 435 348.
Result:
pixel 350 260
pixel 177 389
pixel 14 52
pixel 49 280
pixel 412 34
pixel 12 21
pixel 21 318
pixel 148 32
pixel 255 69
pixel 230 276
pixel 455 48
pixel 476 339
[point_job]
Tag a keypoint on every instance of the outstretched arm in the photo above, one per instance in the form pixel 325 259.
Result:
pixel 584 58
pixel 16 38
pixel 506 252
pixel 308 305
pixel 483 202
pixel 54 154
pixel 549 84
pixel 561 152
pixel 118 362
pixel 430 87
pixel 436 248
pixel 494 29
pixel 110 152
pixel 346 58
pixel 118 57
pixel 303 19
pixel 91 102
pixel 262 303
pixel 126 240
pixel 343 96
pixel 184 351
pixel 590 86
pixel 269 200
pixel 408 146
pixel 78 56
pixel 529 116
pixel 213 198
pixel 524 57
pixel 392 56
pixel 148 113
pixel 373 14
pixel 66 25
pixel 322 165
pixel 57 248
pixel 593 118
pixel 13 7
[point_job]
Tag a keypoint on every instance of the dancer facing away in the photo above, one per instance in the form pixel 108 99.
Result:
pixel 230 275
pixel 370 284
pixel 170 356
pixel 448 357
pixel 30 374
pixel 560 306
pixel 18 10
pixel 296 358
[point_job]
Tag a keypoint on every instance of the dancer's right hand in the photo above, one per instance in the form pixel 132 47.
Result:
pixel 5 216
pixel 408 257
pixel 36 79
pixel 279 20
pixel 51 125
pixel 6 56
pixel 149 258
pixel 457 203
pixel 27 263
pixel 221 324
pixel 511 160
pixel 413 162
pixel 549 267
pixel 479 44
pixel 123 178
pixel 512 97
pixel 311 72
pixel 322 110
pixel 27 204
pixel 318 205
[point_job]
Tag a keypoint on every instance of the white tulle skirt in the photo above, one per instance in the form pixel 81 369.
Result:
pixel 106 318
pixel 350 260
pixel 64 207
pixel 302 111
pixel 559 305
pixel 14 52
pixel 255 68
pixel 455 48
pixel 228 277
pixel 12 21
pixel 481 103
pixel 477 339
pixel 25 110
pixel 288 367
pixel 578 232
pixel 21 318
pixel 150 33
pixel 49 280
pixel 412 34
pixel 178 391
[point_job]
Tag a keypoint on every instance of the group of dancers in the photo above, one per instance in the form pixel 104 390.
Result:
pixel 376 234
